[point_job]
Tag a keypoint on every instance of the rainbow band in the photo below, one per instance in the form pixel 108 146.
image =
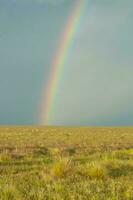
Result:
pixel 60 59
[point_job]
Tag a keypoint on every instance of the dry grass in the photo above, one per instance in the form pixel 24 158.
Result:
pixel 94 170
pixel 56 163
pixel 61 168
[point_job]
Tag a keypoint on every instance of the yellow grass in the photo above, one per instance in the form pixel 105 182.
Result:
pixel 53 163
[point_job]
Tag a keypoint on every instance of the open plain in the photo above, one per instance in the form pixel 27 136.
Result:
pixel 66 163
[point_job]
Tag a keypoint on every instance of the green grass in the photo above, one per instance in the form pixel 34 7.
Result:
pixel 62 163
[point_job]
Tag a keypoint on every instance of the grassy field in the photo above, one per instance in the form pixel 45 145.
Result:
pixel 62 163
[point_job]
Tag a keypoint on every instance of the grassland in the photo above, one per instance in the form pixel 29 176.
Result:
pixel 66 163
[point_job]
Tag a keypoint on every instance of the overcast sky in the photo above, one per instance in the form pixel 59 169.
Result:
pixel 96 85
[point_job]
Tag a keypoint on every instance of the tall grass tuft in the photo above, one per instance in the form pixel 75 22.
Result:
pixel 5 157
pixel 61 168
pixel 94 170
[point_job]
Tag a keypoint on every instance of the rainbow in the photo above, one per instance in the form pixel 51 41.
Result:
pixel 60 59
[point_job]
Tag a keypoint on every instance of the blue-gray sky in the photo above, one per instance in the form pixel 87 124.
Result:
pixel 96 86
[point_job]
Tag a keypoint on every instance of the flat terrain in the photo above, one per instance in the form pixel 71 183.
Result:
pixel 62 163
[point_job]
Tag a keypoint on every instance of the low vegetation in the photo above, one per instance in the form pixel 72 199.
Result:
pixel 66 163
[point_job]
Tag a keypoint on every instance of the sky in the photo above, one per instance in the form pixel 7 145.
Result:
pixel 96 84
